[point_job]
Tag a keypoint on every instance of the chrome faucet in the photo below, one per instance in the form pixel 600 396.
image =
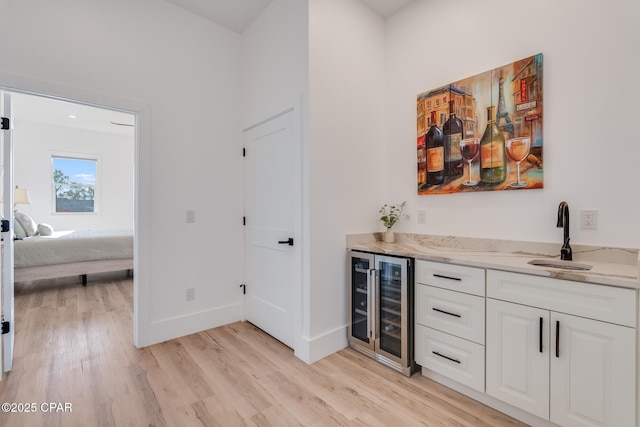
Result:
pixel 563 221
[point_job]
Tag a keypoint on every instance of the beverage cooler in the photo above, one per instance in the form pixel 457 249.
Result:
pixel 381 308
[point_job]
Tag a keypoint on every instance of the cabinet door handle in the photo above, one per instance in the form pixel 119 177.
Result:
pixel 445 357
pixel 446 312
pixel 541 335
pixel 447 277
pixel 557 338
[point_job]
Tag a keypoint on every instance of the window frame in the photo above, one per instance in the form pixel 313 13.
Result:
pixel 97 205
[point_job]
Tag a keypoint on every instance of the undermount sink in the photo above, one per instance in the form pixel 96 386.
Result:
pixel 554 263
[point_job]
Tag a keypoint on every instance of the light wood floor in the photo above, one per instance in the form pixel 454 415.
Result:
pixel 74 345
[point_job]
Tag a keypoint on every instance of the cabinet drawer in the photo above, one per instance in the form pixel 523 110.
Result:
pixel 455 277
pixel 452 312
pixel 606 303
pixel 455 358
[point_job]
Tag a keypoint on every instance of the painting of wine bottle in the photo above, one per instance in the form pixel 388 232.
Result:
pixel 499 116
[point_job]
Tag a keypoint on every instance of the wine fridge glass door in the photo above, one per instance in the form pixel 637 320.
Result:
pixel 392 302
pixel 360 306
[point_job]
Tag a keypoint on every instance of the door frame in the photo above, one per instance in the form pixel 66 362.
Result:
pixel 142 181
pixel 7 298
pixel 300 297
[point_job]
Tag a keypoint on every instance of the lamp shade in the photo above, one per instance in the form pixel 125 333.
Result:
pixel 21 196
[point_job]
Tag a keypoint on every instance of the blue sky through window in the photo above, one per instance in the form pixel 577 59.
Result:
pixel 80 171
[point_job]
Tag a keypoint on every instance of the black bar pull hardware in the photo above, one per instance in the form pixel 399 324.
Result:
pixel 541 335
pixel 446 312
pixel 445 357
pixel 557 338
pixel 447 277
pixel 289 241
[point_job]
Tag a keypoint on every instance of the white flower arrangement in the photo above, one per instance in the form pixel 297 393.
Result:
pixel 390 214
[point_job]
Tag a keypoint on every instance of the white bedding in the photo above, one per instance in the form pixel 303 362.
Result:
pixel 64 247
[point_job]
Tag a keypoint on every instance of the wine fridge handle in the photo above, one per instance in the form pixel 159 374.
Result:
pixel 374 303
pixel 369 306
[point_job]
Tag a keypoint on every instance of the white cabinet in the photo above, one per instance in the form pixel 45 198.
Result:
pixel 450 319
pixel 593 375
pixel 545 357
pixel 517 366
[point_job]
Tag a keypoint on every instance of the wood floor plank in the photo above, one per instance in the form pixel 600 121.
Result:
pixel 74 344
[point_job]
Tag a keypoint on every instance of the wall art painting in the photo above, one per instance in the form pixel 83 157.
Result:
pixel 482 133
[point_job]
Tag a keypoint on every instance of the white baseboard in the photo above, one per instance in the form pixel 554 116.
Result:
pixel 179 326
pixel 321 346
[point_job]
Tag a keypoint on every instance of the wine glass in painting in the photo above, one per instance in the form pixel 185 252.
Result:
pixel 518 149
pixel 469 149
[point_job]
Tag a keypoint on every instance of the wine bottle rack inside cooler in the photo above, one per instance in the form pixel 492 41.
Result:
pixel 360 298
pixel 390 326
pixel 381 308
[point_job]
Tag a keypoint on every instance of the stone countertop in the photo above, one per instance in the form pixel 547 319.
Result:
pixel 611 266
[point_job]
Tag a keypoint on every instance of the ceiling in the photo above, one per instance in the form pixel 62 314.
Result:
pixel 53 112
pixel 237 15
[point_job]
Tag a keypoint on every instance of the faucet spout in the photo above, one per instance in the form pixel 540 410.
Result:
pixel 563 221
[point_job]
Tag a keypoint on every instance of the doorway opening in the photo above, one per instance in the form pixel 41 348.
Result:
pixel 46 128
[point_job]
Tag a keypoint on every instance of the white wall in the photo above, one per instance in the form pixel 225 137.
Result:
pixel 34 145
pixel 590 60
pixel 274 61
pixel 346 163
pixel 180 73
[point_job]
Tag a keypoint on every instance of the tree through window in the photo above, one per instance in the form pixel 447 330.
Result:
pixel 74 184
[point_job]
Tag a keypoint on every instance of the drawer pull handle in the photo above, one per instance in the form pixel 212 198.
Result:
pixel 446 312
pixel 447 277
pixel 446 357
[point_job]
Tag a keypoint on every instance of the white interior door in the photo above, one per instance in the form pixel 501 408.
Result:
pixel 6 301
pixel 272 229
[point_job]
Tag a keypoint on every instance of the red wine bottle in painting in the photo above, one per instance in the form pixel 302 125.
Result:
pixel 452 136
pixel 493 162
pixel 422 162
pixel 435 153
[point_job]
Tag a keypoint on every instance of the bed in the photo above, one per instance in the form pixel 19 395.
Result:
pixel 72 253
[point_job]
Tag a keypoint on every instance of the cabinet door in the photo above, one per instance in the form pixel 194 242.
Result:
pixel 593 373
pixel 517 360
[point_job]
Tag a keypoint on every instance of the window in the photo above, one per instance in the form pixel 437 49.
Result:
pixel 74 184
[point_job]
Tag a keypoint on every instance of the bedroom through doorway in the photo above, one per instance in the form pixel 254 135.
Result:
pixel 76 164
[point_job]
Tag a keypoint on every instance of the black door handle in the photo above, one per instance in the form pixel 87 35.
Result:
pixel 289 241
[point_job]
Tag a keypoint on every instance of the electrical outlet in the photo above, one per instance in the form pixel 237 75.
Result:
pixel 191 294
pixel 191 216
pixel 422 216
pixel 589 219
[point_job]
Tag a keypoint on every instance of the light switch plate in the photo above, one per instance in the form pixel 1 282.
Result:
pixel 422 216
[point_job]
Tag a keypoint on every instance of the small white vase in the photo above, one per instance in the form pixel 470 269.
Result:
pixel 388 236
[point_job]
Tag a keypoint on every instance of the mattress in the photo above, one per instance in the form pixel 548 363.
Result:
pixel 64 247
